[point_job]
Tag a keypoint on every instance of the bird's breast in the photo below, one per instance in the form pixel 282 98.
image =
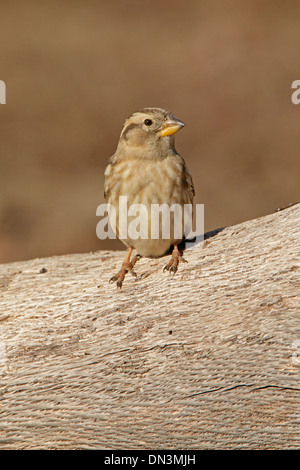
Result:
pixel 145 184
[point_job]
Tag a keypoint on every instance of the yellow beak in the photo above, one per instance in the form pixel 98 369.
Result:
pixel 170 127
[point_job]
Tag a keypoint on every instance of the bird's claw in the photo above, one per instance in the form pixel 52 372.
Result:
pixel 127 267
pixel 172 265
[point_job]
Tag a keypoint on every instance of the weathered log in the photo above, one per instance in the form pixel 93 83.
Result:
pixel 205 359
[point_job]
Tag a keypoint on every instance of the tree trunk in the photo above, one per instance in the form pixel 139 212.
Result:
pixel 206 359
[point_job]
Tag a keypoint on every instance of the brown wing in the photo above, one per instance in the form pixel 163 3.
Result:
pixel 187 183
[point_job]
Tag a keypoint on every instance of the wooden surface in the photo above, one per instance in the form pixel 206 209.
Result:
pixel 207 359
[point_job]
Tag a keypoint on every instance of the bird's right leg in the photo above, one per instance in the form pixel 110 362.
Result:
pixel 127 267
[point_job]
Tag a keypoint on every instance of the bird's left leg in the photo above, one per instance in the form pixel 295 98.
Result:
pixel 172 265
pixel 127 267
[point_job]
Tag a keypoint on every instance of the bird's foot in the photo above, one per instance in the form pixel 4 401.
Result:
pixel 127 267
pixel 176 258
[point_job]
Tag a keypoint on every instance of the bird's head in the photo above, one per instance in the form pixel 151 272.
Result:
pixel 151 132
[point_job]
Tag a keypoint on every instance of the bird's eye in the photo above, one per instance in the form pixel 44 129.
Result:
pixel 148 122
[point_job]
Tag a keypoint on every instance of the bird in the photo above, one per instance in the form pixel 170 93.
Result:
pixel 147 169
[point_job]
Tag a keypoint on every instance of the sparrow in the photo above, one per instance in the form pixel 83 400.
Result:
pixel 147 169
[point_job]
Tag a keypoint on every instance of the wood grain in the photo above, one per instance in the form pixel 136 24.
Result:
pixel 206 359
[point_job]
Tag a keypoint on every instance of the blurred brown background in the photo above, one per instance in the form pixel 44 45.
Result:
pixel 74 70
